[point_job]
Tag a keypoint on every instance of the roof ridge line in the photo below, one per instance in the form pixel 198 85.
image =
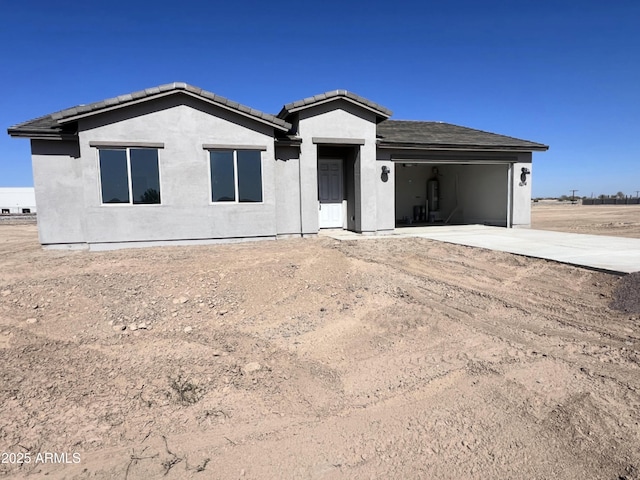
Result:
pixel 166 88
pixel 334 95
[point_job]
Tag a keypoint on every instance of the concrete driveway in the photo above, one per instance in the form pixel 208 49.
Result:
pixel 611 254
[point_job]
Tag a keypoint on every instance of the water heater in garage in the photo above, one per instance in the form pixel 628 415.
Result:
pixel 433 195
pixel 433 200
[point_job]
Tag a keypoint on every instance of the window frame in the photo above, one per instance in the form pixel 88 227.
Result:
pixel 127 148
pixel 234 149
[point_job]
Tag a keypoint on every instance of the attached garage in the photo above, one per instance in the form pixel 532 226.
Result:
pixel 455 193
pixel 456 175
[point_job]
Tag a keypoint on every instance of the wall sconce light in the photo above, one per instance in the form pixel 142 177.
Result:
pixel 523 176
pixel 385 173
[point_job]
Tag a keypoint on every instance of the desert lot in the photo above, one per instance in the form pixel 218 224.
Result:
pixel 617 220
pixel 319 359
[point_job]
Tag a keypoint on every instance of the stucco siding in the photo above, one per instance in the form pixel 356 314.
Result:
pixel 385 191
pixel 287 174
pixel 183 125
pixel 521 207
pixel 59 187
pixel 339 120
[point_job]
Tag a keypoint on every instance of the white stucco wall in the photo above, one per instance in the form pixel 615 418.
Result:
pixel 57 178
pixel 183 125
pixel 521 206
pixel 287 174
pixel 385 192
pixel 339 119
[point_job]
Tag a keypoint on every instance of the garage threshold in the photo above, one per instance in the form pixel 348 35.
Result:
pixel 616 255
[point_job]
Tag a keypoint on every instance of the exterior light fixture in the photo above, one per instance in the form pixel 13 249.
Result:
pixel 385 173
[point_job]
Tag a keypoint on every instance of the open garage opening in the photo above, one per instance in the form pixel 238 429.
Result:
pixel 432 193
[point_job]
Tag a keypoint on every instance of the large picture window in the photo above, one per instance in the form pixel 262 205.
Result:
pixel 129 175
pixel 236 175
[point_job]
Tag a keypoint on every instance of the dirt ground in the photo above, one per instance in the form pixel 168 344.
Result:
pixel 616 220
pixel 313 359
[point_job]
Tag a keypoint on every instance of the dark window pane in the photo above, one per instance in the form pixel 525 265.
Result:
pixel 114 178
pixel 145 180
pixel 249 176
pixel 222 183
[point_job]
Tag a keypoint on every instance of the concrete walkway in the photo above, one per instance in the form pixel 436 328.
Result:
pixel 611 254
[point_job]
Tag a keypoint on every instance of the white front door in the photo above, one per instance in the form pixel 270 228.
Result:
pixel 330 193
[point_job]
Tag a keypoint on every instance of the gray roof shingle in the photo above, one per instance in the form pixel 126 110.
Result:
pixel 41 127
pixel 437 134
pixel 391 133
pixel 334 94
pixel 52 124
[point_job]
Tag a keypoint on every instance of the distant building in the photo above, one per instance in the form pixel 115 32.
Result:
pixel 17 200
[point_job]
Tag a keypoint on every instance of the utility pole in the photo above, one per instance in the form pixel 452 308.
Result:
pixel 573 196
pixel 637 191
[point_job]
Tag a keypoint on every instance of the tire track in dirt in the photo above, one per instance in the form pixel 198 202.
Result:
pixel 470 298
pixel 376 359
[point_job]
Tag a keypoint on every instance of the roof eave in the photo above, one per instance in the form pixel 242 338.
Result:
pixel 431 146
pixel 40 134
pixel 288 142
pixel 282 114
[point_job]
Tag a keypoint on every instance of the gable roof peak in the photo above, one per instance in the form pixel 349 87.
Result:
pixel 381 112
pixel 51 124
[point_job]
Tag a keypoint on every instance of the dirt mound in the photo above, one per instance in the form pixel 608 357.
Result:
pixel 626 297
pixel 311 358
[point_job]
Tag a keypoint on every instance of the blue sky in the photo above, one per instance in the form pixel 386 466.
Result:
pixel 565 73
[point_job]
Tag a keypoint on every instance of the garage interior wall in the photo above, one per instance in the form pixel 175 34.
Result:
pixel 482 191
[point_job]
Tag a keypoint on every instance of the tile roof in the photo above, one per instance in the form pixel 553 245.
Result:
pixel 391 133
pixel 445 135
pixel 53 124
pixel 334 95
pixel 40 127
